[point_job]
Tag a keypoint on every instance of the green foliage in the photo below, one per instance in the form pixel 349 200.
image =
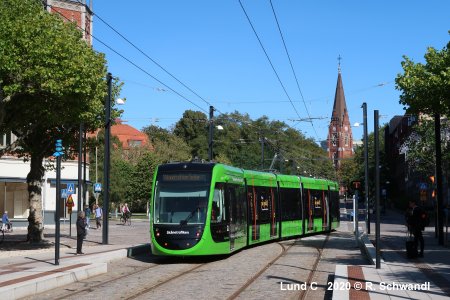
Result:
pixel 425 91
pixel 425 87
pixel 167 146
pixel 352 169
pixel 239 144
pixel 49 76
pixel 421 143
pixel 139 187
pixel 50 82
pixel 192 128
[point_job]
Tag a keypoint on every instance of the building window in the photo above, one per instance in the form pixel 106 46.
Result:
pixel 134 143
pixel 346 140
pixel 6 139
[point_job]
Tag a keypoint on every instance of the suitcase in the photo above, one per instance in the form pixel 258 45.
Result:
pixel 411 249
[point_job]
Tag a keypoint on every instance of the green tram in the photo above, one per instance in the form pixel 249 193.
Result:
pixel 209 208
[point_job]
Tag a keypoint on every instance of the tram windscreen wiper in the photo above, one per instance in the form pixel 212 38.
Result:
pixel 185 221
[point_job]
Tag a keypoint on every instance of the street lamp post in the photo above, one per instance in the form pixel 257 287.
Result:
pixel 106 161
pixel 366 168
pixel 80 162
pixel 211 128
pixel 377 190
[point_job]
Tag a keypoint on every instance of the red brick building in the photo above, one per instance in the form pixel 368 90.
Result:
pixel 74 11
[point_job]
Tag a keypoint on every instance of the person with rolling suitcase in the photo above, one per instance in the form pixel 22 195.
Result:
pixel 415 227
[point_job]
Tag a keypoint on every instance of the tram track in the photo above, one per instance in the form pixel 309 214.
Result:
pixel 103 283
pixel 119 279
pixel 260 272
pixel 155 286
pixel 304 293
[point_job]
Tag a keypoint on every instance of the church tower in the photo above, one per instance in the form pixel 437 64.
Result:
pixel 75 11
pixel 340 138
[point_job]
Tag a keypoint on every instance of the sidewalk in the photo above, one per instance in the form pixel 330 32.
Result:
pixel 27 269
pixel 30 269
pixel 398 277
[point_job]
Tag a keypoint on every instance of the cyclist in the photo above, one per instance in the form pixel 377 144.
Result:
pixel 5 221
pixel 126 211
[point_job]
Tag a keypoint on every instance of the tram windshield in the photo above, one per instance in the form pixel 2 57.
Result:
pixel 180 203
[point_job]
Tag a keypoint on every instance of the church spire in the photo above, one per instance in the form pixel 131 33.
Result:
pixel 340 139
pixel 339 64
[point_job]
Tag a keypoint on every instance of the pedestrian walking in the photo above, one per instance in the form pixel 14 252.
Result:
pixel 87 212
pixel 81 231
pixel 98 216
pixel 415 226
pixel 5 221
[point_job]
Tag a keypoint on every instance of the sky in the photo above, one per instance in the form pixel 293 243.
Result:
pixel 178 55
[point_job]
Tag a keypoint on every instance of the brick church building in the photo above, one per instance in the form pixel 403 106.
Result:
pixel 340 138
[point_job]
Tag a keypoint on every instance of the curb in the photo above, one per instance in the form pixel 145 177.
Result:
pixel 73 270
pixel 369 249
pixel 45 283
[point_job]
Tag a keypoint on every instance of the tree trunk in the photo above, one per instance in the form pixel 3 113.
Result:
pixel 35 218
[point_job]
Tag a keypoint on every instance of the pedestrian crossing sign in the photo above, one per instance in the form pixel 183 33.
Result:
pixel 70 188
pixel 63 193
pixel 97 187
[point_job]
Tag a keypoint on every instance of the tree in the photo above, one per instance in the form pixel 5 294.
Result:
pixel 425 90
pixel 167 146
pixel 192 129
pixel 425 87
pixel 54 81
pixel 139 187
pixel 352 169
pixel 239 144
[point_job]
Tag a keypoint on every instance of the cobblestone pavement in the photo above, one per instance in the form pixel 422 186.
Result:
pixel 222 277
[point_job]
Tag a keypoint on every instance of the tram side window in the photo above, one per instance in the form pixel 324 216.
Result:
pixel 251 198
pixel 317 203
pixel 290 200
pixel 264 203
pixel 218 211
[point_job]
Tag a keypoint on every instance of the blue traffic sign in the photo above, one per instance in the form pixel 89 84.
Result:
pixel 64 193
pixel 70 188
pixel 97 187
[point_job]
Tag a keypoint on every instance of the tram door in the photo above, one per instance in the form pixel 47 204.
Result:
pixel 230 202
pixel 237 212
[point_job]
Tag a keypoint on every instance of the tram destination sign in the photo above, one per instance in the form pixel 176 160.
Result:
pixel 184 177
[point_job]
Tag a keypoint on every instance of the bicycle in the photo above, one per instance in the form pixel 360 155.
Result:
pixel 125 219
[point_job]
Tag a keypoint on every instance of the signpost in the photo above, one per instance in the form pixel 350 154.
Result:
pixel 97 191
pixel 58 154
pixel 356 185
pixel 70 188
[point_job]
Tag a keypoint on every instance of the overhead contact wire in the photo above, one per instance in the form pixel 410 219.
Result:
pixel 268 58
pixel 292 68
pixel 135 65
